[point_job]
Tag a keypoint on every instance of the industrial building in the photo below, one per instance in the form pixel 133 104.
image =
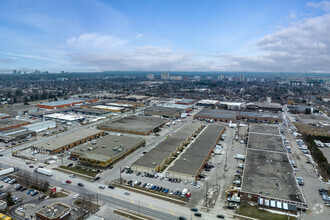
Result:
pixel 40 126
pixel 191 163
pixel 4 116
pixel 9 123
pixel 88 111
pixel 18 109
pixel 186 101
pixel 107 150
pixel 162 111
pixel 109 108
pixel 72 118
pixel 140 125
pixel 66 141
pixel 158 157
pixel 264 106
pixel 299 109
pixel 183 108
pixel 227 116
pixel 136 98
pixel 207 103
pixel 268 176
pixel 16 134
pixel 55 211
pixel 64 103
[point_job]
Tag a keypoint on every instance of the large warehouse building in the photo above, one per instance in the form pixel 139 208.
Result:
pixel 64 103
pixel 107 150
pixel 157 158
pixel 191 163
pixel 68 140
pixel 268 178
pixel 162 111
pixel 227 116
pixel 10 123
pixel 134 125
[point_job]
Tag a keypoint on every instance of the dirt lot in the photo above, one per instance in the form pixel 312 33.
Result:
pixel 312 130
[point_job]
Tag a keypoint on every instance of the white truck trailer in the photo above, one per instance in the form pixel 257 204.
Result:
pixel 8 170
pixel 239 156
pixel 43 171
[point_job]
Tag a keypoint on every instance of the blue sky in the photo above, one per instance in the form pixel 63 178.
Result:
pixel 87 35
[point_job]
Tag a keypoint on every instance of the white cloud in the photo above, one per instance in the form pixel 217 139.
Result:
pixel 323 5
pixel 302 47
pixel 139 36
pixel 94 42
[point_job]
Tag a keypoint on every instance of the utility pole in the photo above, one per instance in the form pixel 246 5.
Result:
pixel 120 175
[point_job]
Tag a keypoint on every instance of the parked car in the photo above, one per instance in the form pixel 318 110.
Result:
pixel 194 210
pixel 220 216
pixel 81 184
pixel 198 214
pixel 127 193
pixel 111 187
pixel 76 196
pixel 96 178
pixel 102 187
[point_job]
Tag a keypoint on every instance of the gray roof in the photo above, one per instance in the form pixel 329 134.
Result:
pixel 10 122
pixel 157 155
pixel 263 170
pixel 103 148
pixel 266 129
pixel 194 156
pixel 266 142
pixel 216 113
pixel 62 102
pixel 134 123
pixel 66 139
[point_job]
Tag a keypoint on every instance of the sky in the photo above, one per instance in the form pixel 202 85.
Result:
pixel 165 35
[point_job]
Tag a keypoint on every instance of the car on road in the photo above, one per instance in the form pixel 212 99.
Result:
pixel 72 176
pixel 194 210
pixel 63 182
pixel 31 166
pixel 80 184
pixel 111 187
pixel 68 181
pixel 127 193
pixel 96 178
pixel 21 209
pixel 182 218
pixel 198 214
pixel 76 196
pixel 102 187
pixel 220 216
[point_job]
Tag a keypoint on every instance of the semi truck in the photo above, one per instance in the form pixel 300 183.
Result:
pixel 8 170
pixel 239 156
pixel 43 171
pixel 184 192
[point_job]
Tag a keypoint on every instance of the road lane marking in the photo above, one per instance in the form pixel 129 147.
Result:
pixel 114 195
pixel 132 200
pixel 151 206
pixel 172 212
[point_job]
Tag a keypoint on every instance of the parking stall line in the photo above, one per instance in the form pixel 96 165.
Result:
pixel 151 206
pixel 172 212
pixel 114 195
pixel 132 200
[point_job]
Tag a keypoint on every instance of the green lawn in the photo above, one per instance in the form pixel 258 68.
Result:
pixel 80 170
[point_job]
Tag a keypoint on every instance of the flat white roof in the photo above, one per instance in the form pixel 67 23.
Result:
pixel 65 117
pixel 108 107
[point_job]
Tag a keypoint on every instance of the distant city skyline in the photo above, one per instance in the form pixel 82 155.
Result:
pixel 86 36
